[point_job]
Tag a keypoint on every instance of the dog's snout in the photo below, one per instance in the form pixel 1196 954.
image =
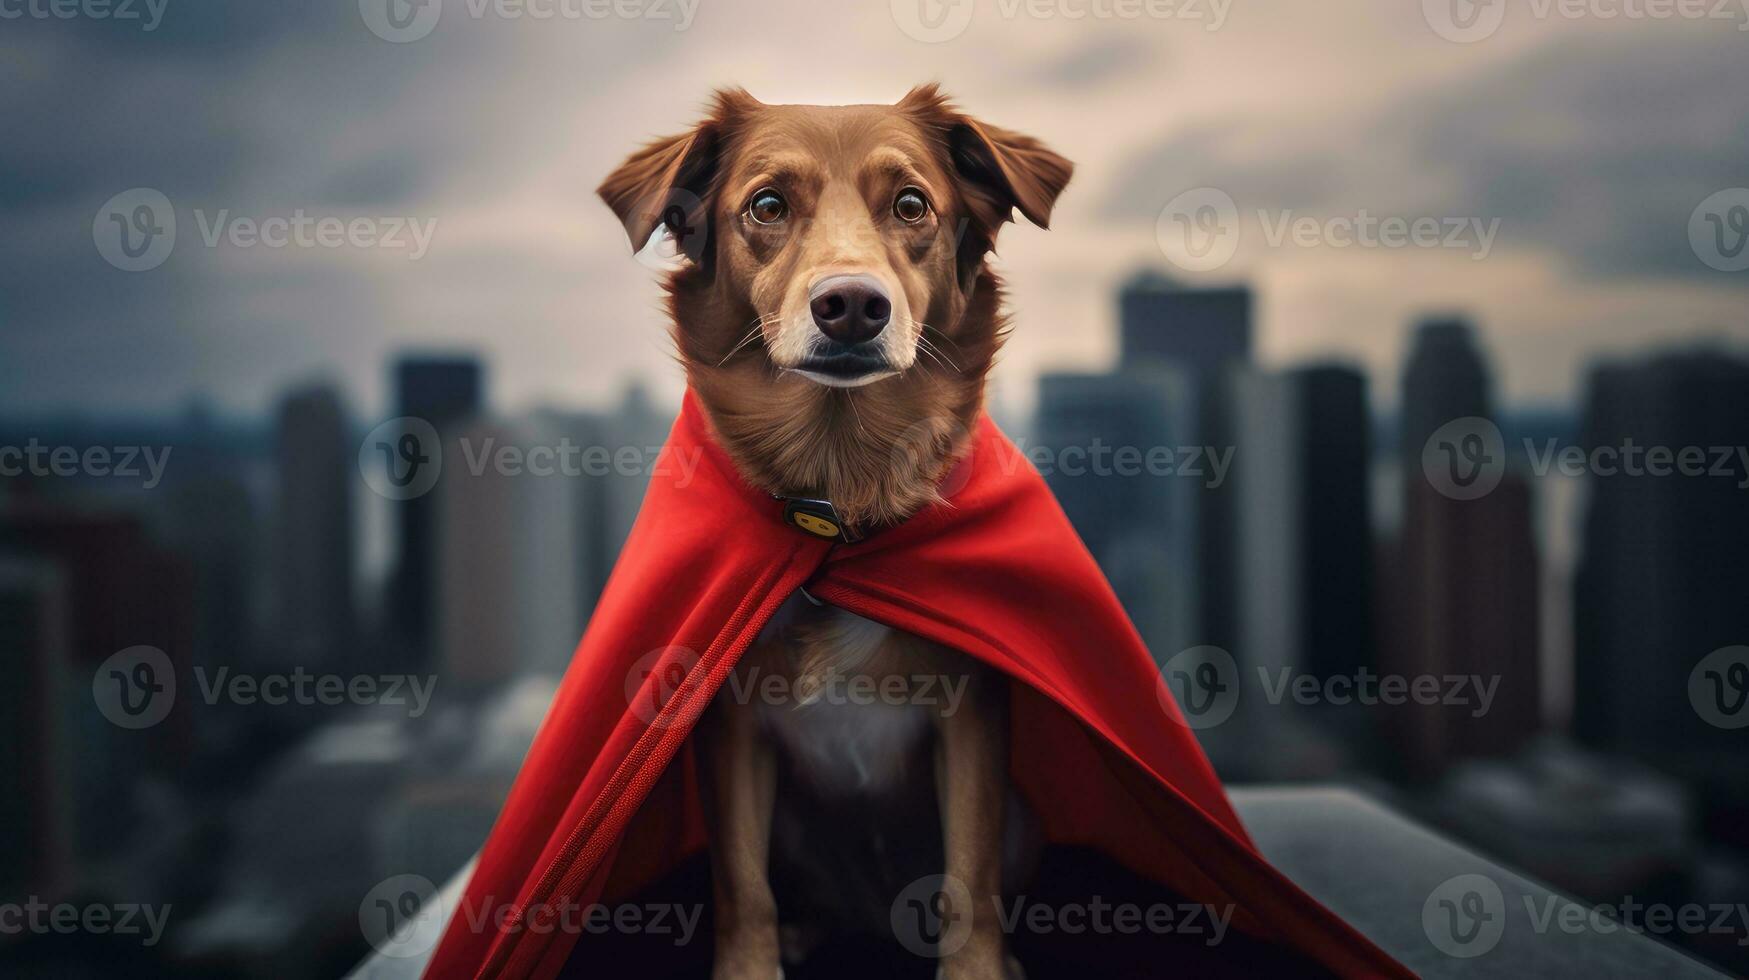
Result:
pixel 850 309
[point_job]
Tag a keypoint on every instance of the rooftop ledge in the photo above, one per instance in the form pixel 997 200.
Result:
pixel 1383 873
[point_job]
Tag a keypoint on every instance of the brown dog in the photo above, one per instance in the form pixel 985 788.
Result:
pixel 836 320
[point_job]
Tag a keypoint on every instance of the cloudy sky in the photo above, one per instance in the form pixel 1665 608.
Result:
pixel 1562 153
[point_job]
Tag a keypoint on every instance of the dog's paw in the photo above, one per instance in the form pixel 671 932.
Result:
pixel 746 960
pixel 1003 968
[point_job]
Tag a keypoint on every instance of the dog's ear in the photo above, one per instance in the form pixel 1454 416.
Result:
pixel 668 182
pixel 999 169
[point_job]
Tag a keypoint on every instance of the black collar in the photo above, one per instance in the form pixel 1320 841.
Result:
pixel 817 517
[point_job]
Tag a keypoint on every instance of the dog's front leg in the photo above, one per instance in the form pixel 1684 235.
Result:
pixel 739 774
pixel 971 773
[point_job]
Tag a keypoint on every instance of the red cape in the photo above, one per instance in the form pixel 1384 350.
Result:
pixel 997 572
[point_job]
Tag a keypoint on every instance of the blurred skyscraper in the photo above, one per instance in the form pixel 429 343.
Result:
pixel 1204 332
pixel 1465 578
pixel 1663 579
pixel 314 532
pixel 526 546
pixel 34 808
pixel 1136 524
pixel 445 391
pixel 92 587
pixel 1304 532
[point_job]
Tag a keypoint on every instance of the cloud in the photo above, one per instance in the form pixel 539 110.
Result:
pixel 1593 148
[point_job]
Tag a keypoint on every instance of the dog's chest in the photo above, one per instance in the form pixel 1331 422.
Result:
pixel 847 705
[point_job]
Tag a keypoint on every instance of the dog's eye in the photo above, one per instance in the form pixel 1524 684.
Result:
pixel 767 207
pixel 910 206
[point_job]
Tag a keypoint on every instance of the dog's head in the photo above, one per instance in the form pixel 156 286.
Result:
pixel 835 281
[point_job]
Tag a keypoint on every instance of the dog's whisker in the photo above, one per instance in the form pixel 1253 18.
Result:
pixel 752 333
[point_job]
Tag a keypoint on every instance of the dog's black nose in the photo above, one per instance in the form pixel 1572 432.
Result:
pixel 850 309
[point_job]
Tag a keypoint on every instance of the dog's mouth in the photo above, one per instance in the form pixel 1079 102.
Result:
pixel 844 365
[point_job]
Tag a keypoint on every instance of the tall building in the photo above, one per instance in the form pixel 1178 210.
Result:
pixel 1444 379
pixel 97 586
pixel 1463 579
pixel 314 532
pixel 1664 570
pixel 34 806
pixel 1301 457
pixel 1203 330
pixel 513 583
pixel 1136 522
pixel 445 392
pixel 1204 333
